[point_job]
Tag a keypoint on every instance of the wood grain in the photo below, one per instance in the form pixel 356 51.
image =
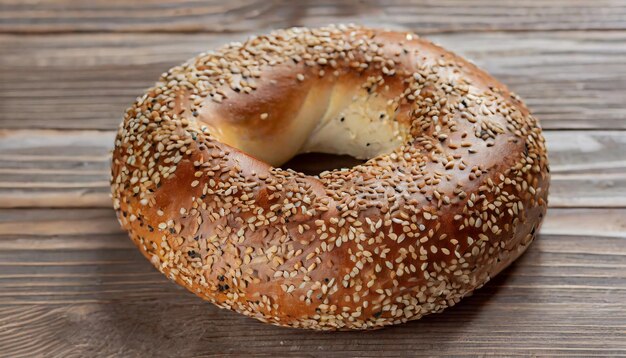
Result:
pixel 71 281
pixel 250 15
pixel 73 285
pixel 54 168
pixel 571 80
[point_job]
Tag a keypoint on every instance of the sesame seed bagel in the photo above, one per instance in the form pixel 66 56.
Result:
pixel 453 190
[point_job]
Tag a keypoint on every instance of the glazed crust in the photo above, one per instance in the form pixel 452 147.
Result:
pixel 408 233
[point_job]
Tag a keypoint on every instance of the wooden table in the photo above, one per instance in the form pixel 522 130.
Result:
pixel 72 284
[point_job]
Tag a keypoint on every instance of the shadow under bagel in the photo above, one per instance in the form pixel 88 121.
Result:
pixel 181 325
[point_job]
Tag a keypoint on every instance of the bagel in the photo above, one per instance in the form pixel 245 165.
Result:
pixel 453 189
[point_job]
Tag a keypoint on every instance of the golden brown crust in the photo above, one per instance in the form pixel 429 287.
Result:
pixel 408 233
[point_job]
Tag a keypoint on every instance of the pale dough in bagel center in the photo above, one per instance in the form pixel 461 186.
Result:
pixel 330 114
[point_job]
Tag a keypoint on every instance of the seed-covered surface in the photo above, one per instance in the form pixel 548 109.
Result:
pixel 408 233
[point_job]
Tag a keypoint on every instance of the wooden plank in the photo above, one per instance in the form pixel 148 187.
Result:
pixel 571 80
pixel 73 284
pixel 228 16
pixel 52 168
pixel 71 281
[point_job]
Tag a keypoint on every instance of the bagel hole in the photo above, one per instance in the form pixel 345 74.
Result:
pixel 315 163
